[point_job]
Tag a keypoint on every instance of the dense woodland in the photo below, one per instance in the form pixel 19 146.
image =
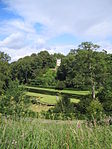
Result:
pixel 84 68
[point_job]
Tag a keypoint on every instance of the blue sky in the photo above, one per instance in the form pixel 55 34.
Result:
pixel 29 26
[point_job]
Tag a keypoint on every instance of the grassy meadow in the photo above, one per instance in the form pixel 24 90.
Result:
pixel 37 133
pixel 48 99
pixel 28 133
pixel 45 101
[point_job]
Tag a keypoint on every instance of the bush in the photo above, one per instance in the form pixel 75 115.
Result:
pixel 95 110
pixel 32 114
pixel 60 85
pixel 105 97
pixel 81 107
pixel 14 102
pixel 64 105
pixel 63 110
pixel 59 116
pixel 0 118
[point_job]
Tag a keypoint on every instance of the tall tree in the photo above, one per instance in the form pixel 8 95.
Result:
pixel 4 71
pixel 94 63
pixel 84 67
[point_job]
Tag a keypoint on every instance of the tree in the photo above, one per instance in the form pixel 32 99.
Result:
pixel 14 101
pixel 95 110
pixel 84 67
pixel 89 62
pixel 94 65
pixel 4 71
pixel 36 69
pixel 66 71
pixel 105 97
pixel 60 85
pixel 64 105
pixel 46 58
pixel 24 69
pixel 4 57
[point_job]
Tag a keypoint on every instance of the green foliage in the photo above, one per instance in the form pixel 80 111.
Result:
pixel 23 69
pixel 60 85
pixel 81 107
pixel 84 67
pixel 105 97
pixel 45 80
pixel 14 102
pixel 31 133
pixel 58 116
pixel 63 110
pixel 64 105
pixel 4 71
pixel 35 69
pixel 95 110
pixel 47 61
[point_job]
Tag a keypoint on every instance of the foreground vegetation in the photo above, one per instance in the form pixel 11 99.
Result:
pixel 27 133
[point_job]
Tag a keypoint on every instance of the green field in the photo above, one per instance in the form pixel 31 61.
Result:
pixel 28 133
pixel 48 99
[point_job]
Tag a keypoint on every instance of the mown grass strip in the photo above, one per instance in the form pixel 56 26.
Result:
pixel 71 93
pixel 48 99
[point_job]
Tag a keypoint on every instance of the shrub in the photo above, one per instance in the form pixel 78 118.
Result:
pixel 95 110
pixel 64 105
pixel 63 110
pixel 81 107
pixel 32 114
pixel 59 116
pixel 105 97
pixel 0 118
pixel 60 85
pixel 14 102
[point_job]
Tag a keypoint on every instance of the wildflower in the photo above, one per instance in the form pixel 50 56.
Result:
pixel 14 142
pixel 12 97
pixel 78 125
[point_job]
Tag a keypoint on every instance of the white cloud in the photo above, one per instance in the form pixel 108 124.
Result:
pixel 73 16
pixel 21 26
pixel 15 40
pixel 100 31
pixel 26 51
pixel 85 19
pixel 106 45
pixel 18 34
pixel 65 49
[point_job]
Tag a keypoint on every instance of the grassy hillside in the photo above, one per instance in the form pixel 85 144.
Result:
pixel 48 99
pixel 54 91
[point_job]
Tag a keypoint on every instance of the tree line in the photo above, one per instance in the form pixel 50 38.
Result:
pixel 84 68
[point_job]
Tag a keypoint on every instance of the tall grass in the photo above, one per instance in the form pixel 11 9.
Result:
pixel 28 133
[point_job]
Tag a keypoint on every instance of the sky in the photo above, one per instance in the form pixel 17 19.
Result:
pixel 30 26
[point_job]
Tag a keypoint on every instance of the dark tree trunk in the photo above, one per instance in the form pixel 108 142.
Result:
pixel 26 79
